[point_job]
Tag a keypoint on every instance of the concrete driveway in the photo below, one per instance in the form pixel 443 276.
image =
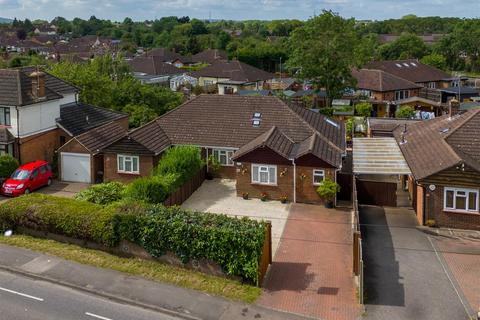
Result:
pixel 59 189
pixel 405 276
pixel 220 196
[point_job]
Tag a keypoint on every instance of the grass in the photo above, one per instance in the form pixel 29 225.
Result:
pixel 151 270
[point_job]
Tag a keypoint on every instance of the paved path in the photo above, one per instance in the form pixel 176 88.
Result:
pixel 405 278
pixel 312 270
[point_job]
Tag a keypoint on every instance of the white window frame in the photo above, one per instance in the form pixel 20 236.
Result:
pixel 218 153
pixel 266 169
pixel 432 85
pixel 455 194
pixel 401 94
pixel 121 161
pixel 318 172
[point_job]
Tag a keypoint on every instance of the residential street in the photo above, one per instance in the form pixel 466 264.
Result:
pixel 405 277
pixel 22 298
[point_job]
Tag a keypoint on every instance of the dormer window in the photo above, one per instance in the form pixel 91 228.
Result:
pixel 5 116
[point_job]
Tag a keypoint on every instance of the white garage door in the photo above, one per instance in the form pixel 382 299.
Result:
pixel 75 167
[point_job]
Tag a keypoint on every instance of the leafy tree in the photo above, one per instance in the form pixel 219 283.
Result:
pixel 407 46
pixel 406 112
pixel 139 115
pixel 8 164
pixel 363 109
pixel 435 60
pixel 323 50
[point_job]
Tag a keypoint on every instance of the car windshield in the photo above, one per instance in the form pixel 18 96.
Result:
pixel 20 174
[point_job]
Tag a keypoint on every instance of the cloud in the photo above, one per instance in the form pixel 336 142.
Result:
pixel 233 9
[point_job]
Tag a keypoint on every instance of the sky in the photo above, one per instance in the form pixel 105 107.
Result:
pixel 140 10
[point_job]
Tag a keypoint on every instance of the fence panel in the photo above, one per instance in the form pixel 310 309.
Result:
pixel 266 258
pixel 186 190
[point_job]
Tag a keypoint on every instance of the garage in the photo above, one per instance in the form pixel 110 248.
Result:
pixel 76 167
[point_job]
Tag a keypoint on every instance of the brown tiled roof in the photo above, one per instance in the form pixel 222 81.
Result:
pixel 381 81
pixel 388 124
pixel 320 148
pixel 441 143
pixel 209 56
pixel 153 65
pixel 98 138
pixel 233 70
pixel 152 137
pixel 165 55
pixel 411 70
pixel 273 139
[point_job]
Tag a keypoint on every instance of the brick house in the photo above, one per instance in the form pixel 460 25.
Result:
pixel 444 157
pixel 266 145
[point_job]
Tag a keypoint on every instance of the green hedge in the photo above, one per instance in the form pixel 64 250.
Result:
pixel 103 193
pixel 8 164
pixel 155 189
pixel 235 244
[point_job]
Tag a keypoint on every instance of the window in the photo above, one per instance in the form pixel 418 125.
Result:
pixel 5 117
pixel 128 164
pixel 263 174
pixel 6 149
pixel 43 169
pixel 402 94
pixel 432 85
pixel 318 177
pixel 223 156
pixel 461 199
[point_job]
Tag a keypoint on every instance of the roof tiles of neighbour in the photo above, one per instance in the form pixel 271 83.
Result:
pixel 441 143
pixel 100 137
pixel 153 65
pixel 411 70
pixel 166 55
pixel 381 81
pixel 233 70
pixel 209 56
pixel 78 118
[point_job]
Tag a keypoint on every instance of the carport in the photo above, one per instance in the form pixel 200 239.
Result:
pixel 378 165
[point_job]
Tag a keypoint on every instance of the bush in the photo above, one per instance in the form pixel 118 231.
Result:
pixel 77 219
pixel 155 189
pixel 185 161
pixel 8 164
pixel 103 193
pixel 364 109
pixel 328 189
pixel 405 112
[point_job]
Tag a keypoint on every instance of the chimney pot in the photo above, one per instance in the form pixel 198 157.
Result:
pixel 38 84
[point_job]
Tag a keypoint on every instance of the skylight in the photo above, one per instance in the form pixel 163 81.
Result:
pixel 331 122
pixel 256 122
pixel 406 64
pixel 398 65
pixel 413 64
pixel 257 115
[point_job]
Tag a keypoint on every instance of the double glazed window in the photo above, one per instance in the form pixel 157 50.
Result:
pixel 461 199
pixel 5 117
pixel 318 177
pixel 224 157
pixel 263 174
pixel 128 164
pixel 402 94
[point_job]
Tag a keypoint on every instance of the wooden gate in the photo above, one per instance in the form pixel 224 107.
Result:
pixel 377 193
pixel 345 182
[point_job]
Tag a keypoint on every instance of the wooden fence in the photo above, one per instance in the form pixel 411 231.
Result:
pixel 187 189
pixel 266 259
pixel 357 242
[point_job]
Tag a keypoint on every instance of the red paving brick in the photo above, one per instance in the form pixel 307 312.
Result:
pixel 463 259
pixel 312 271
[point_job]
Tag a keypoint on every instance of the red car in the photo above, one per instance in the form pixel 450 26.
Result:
pixel 28 178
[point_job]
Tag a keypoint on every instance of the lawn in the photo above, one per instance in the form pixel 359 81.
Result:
pixel 152 270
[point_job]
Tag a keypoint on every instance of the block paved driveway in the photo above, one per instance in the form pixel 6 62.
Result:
pixel 405 275
pixel 59 189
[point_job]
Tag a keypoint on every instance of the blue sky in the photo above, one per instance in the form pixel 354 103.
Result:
pixel 235 9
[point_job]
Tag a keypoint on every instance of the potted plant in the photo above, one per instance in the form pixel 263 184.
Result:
pixel 245 195
pixel 263 196
pixel 327 190
pixel 284 198
pixel 213 167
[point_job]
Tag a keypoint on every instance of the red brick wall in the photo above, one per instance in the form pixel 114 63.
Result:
pixel 110 168
pixel 41 146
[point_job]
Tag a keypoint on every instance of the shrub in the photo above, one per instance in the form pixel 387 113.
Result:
pixel 364 109
pixel 103 193
pixel 326 111
pixel 406 112
pixel 155 189
pixel 77 219
pixel 8 164
pixel 182 160
pixel 328 189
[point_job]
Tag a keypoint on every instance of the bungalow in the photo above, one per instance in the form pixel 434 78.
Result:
pixel 168 56
pixel 209 56
pixel 152 70
pixel 231 76
pixel 444 157
pixel 267 146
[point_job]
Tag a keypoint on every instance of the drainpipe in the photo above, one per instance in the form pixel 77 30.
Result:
pixel 18 135
pixel 294 181
pixel 206 162
pixel 335 200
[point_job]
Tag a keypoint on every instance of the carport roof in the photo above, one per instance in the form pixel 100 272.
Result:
pixel 378 156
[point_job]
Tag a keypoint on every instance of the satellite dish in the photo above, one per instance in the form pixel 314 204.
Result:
pixel 432 187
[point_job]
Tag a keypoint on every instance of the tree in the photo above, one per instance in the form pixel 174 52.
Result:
pixel 322 50
pixel 435 60
pixel 139 115
pixel 364 109
pixel 21 34
pixel 8 164
pixel 405 112
pixel 407 46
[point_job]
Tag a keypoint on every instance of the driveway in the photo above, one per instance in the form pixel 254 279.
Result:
pixel 405 277
pixel 59 189
pixel 220 196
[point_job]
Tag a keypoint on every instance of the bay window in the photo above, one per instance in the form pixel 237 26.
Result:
pixel 128 164
pixel 264 174
pixel 224 157
pixel 460 199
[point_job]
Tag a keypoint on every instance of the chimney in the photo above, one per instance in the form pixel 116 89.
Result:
pixel 38 84
pixel 453 107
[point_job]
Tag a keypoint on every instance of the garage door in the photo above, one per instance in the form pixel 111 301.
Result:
pixel 75 167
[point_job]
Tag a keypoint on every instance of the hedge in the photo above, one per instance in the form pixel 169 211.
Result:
pixel 235 244
pixel 103 193
pixel 8 165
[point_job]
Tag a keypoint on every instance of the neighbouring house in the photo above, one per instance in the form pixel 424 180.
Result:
pixel 384 127
pixel 30 103
pixel 183 80
pixel 444 157
pixel 152 70
pixel 209 56
pixel 230 76
pixel 428 39
pixel 168 56
pixel 263 143
pixel 462 94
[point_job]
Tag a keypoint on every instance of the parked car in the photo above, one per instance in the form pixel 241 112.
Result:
pixel 28 178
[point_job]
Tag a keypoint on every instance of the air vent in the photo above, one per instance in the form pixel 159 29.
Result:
pixel 444 130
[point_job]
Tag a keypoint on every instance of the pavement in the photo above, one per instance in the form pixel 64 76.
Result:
pixel 312 271
pixel 100 284
pixel 220 196
pixel 405 275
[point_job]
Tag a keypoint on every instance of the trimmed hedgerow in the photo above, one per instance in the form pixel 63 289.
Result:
pixel 8 164
pixel 103 193
pixel 155 189
pixel 77 219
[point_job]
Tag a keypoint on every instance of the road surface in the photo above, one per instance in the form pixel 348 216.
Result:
pixel 23 298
